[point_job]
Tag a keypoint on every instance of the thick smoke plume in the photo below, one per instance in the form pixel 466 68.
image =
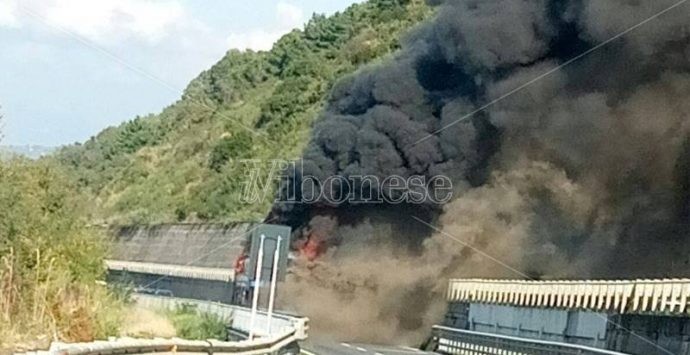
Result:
pixel 582 172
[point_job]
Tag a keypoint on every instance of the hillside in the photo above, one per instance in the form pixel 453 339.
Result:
pixel 176 165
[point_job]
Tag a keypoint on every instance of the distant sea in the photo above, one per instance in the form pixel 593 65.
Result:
pixel 28 151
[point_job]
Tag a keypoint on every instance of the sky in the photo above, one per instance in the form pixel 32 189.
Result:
pixel 71 68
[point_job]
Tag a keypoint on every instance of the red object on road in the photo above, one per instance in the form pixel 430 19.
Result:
pixel 241 263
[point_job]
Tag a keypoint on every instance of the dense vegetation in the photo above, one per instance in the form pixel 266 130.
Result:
pixel 50 261
pixel 181 164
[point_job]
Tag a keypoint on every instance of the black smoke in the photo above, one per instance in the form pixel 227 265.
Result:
pixel 562 168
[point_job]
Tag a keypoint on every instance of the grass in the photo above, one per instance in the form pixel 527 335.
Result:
pixel 192 324
pixel 50 306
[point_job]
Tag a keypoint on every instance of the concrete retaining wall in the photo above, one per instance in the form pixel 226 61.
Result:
pixel 203 245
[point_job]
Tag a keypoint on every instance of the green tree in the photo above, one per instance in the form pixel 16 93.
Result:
pixel 229 147
pixel 288 50
pixel 291 97
pixel 134 135
pixel 324 33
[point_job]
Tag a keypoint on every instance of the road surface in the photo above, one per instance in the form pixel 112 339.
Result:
pixel 358 349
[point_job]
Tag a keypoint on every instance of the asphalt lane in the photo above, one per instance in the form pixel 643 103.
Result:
pixel 358 349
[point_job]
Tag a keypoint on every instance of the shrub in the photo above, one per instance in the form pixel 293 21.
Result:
pixel 228 148
pixel 192 324
pixel 50 261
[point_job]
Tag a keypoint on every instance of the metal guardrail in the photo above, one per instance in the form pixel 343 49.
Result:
pixel 458 341
pixel 285 331
pixel 633 296
pixel 138 346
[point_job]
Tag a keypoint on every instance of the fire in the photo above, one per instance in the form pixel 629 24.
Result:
pixel 313 247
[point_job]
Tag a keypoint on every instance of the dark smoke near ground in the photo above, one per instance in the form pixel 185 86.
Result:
pixel 584 173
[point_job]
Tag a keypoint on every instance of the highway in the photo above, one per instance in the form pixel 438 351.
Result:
pixel 312 348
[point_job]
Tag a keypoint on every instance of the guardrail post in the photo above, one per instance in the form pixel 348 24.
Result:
pixel 257 283
pixel 274 281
